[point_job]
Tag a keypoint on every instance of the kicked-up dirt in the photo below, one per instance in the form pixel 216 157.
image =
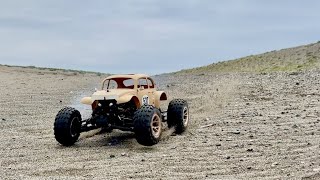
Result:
pixel 243 126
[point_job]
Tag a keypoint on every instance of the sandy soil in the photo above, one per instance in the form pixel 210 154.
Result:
pixel 244 126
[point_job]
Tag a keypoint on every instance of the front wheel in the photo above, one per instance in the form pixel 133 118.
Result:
pixel 147 125
pixel 178 115
pixel 67 126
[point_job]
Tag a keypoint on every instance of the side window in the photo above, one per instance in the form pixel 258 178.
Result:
pixel 128 83
pixel 143 83
pixel 112 84
pixel 151 85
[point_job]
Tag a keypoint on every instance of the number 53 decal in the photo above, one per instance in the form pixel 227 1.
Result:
pixel 145 100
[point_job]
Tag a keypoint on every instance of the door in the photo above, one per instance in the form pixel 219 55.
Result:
pixel 151 91
pixel 145 94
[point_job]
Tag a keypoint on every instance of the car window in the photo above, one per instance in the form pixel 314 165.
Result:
pixel 151 85
pixel 128 83
pixel 112 84
pixel 143 83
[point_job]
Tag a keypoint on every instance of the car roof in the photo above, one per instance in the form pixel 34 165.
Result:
pixel 129 76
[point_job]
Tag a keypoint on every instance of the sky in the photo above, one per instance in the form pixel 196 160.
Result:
pixel 150 36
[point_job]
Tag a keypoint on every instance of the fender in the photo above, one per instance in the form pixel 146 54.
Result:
pixel 87 100
pixel 127 98
pixel 159 96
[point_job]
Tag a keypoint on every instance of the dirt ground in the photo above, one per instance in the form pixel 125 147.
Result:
pixel 243 126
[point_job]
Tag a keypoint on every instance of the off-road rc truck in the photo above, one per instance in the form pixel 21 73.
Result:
pixel 126 102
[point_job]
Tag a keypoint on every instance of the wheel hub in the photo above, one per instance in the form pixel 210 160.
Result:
pixel 74 127
pixel 156 126
pixel 185 116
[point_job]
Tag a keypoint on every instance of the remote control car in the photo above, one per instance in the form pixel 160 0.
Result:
pixel 126 102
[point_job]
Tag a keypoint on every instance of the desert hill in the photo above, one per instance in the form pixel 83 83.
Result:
pixel 291 59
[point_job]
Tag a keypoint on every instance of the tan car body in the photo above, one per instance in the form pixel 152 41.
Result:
pixel 140 94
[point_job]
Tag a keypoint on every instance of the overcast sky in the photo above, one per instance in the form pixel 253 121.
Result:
pixel 149 36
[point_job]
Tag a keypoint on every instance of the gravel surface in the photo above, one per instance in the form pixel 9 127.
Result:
pixel 243 126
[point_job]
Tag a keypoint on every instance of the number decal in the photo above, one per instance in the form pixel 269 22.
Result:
pixel 145 100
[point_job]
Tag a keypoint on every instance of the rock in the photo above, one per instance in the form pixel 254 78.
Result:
pixel 316 169
pixel 124 154
pixel 274 164
pixel 295 126
pixel 236 132
pixel 249 168
pixel 228 157
pixel 293 73
pixel 218 144
pixel 297 83
pixel 112 156
pixel 3 119
pixel 143 160
pixel 60 101
pixel 250 150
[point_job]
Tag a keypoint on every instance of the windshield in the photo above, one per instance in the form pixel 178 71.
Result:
pixel 118 83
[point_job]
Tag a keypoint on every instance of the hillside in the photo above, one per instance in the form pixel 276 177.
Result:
pixel 291 59
pixel 45 70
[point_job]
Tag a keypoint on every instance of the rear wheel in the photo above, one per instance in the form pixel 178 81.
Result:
pixel 67 126
pixel 178 115
pixel 147 125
